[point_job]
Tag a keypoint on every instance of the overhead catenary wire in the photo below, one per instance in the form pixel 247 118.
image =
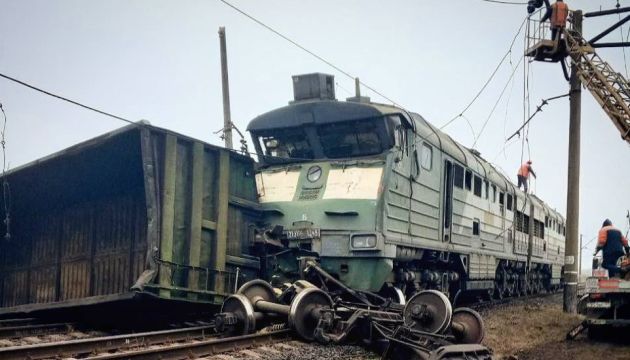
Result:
pixel 508 53
pixel 68 100
pixel 497 102
pixel 505 2
pixel 309 52
pixel 590 241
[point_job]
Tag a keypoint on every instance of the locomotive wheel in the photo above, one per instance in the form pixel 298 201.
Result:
pixel 240 306
pixel 499 290
pixel 429 311
pixel 510 289
pixel 303 314
pixel 472 323
pixel 393 293
pixel 257 289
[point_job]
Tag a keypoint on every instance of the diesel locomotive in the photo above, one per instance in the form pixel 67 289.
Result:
pixel 390 204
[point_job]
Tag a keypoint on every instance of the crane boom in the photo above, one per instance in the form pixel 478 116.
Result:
pixel 609 88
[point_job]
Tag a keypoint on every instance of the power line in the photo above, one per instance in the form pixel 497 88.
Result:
pixel 498 101
pixel 309 52
pixel 66 99
pixel 491 76
pixel 590 241
pixel 504 2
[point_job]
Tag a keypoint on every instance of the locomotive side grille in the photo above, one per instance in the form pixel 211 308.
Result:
pixel 309 194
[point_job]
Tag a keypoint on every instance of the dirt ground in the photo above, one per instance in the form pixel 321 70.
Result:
pixel 536 330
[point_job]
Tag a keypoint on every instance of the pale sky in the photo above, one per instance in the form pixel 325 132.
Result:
pixel 159 60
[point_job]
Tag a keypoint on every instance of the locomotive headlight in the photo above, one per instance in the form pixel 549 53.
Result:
pixel 314 173
pixel 363 241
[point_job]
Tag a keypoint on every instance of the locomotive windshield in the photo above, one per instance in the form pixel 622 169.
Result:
pixel 327 140
pixel 350 139
pixel 287 144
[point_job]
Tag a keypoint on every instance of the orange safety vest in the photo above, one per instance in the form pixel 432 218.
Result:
pixel 524 171
pixel 559 14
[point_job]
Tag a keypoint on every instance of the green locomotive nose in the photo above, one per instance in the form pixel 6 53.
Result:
pixel 330 208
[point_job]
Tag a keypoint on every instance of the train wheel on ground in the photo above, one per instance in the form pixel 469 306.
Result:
pixel 257 289
pixel 240 306
pixel 306 310
pixel 471 323
pixel 429 311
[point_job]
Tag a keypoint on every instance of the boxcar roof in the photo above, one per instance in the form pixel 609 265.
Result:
pixel 96 141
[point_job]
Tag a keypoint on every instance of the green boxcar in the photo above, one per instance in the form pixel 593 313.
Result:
pixel 140 210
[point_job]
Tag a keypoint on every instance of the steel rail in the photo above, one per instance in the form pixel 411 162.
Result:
pixel 496 302
pixel 199 349
pixel 64 349
pixel 17 322
pixel 19 331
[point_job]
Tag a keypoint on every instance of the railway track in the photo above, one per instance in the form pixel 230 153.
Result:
pixel 193 350
pixel 171 344
pixel 10 332
pixel 496 302
pixel 17 322
pixel 106 343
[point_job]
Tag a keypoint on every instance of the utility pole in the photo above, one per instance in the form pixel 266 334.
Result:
pixel 573 183
pixel 580 267
pixel 227 116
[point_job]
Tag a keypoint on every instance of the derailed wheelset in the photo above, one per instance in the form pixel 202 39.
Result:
pixel 425 328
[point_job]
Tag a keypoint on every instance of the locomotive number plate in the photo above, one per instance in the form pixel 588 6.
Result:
pixel 302 234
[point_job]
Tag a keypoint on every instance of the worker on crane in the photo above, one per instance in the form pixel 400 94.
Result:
pixel 613 244
pixel 523 174
pixel 557 14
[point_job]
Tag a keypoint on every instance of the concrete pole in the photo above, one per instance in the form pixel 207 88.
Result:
pixel 580 267
pixel 573 184
pixel 357 88
pixel 227 115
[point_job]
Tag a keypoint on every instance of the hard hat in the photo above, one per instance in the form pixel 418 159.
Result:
pixel 607 223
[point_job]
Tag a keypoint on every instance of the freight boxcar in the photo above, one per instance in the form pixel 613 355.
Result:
pixel 140 211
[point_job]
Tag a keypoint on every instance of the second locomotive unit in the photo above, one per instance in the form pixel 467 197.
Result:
pixel 390 204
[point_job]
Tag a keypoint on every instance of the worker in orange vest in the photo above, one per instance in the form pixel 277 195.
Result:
pixel 613 244
pixel 523 174
pixel 557 13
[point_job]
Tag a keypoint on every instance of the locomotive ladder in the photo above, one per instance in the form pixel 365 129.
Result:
pixel 610 89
